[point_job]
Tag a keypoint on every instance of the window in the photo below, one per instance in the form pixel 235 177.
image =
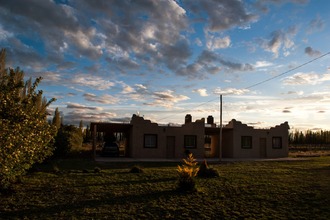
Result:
pixel 277 142
pixel 246 142
pixel 207 142
pixel 150 141
pixel 207 139
pixel 190 141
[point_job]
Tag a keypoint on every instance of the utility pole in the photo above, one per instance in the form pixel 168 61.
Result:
pixel 220 133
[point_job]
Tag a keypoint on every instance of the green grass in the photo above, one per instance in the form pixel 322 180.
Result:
pixel 244 190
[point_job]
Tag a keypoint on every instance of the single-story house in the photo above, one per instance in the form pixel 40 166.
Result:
pixel 142 138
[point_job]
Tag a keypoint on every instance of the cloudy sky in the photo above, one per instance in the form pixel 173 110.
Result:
pixel 106 60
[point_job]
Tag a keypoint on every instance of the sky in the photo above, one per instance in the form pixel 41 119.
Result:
pixel 106 60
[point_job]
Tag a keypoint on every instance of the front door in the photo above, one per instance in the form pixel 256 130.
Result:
pixel 263 147
pixel 170 147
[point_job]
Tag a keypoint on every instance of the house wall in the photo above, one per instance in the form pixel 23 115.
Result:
pixel 141 127
pixel 233 147
pixel 227 143
pixel 279 131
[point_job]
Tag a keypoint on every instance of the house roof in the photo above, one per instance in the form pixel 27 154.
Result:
pixel 120 127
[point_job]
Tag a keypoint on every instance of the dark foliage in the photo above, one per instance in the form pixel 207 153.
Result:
pixel 207 172
pixel 24 131
pixel 310 137
pixel 97 170
pixel 136 169
pixel 68 137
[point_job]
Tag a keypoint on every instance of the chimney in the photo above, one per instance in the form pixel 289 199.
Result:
pixel 188 119
pixel 210 120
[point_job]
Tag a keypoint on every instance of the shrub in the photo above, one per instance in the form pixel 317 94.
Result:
pixel 25 134
pixel 55 168
pixel 187 172
pixel 97 170
pixel 68 138
pixel 206 171
pixel 136 169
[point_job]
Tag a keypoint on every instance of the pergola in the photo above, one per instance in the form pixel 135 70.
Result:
pixel 109 128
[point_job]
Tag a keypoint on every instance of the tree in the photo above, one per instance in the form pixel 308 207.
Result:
pixel 87 136
pixel 24 132
pixel 81 126
pixel 57 119
pixel 68 138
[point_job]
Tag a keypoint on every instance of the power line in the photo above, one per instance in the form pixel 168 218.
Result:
pixel 288 71
pixel 258 83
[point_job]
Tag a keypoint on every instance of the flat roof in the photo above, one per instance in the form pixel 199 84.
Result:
pixel 124 127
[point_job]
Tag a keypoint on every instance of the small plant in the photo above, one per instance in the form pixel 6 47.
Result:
pixel 97 170
pixel 85 171
pixel 187 172
pixel 56 169
pixel 136 169
pixel 207 172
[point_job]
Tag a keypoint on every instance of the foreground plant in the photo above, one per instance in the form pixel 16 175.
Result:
pixel 207 172
pixel 136 169
pixel 187 172
pixel 24 131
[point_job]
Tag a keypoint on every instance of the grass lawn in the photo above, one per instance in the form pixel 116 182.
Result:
pixel 244 190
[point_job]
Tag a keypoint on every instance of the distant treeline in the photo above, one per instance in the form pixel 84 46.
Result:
pixel 309 137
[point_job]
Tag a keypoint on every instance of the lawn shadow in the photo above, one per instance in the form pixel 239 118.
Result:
pixel 33 211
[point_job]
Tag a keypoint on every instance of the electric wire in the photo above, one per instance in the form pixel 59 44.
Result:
pixel 255 84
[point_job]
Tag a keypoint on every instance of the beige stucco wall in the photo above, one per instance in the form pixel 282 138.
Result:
pixel 280 131
pixel 227 143
pixel 141 127
pixel 238 130
pixel 231 139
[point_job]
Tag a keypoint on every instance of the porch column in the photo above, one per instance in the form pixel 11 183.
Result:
pixel 94 142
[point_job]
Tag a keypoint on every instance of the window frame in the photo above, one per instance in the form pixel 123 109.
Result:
pixel 243 141
pixel 186 139
pixel 274 143
pixel 146 139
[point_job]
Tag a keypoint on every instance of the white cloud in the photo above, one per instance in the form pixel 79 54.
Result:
pixel 230 91
pixel 48 77
pixel 127 89
pixel 262 63
pixel 306 79
pixel 4 34
pixel 281 40
pixel 96 82
pixel 198 42
pixel 168 95
pixel 103 99
pixel 214 43
pixel 82 107
pixel 64 47
pixel 74 117
pixel 221 15
pixel 165 99
pixel 83 39
pixel 201 92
